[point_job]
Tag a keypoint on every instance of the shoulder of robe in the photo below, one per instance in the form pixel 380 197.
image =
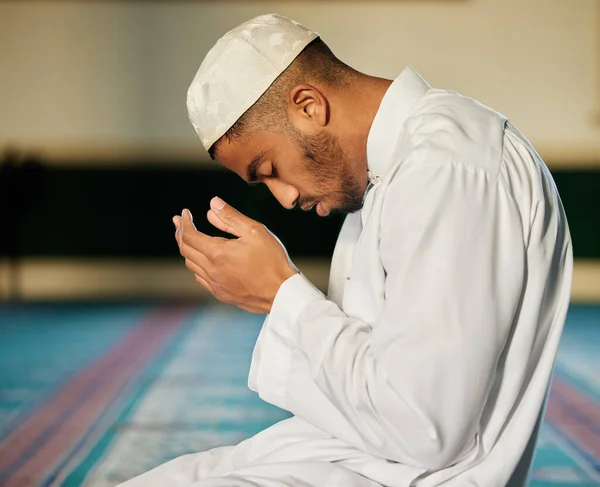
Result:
pixel 446 127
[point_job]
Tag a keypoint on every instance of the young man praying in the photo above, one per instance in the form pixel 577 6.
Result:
pixel 428 362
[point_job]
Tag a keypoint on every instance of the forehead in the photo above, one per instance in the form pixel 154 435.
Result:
pixel 237 154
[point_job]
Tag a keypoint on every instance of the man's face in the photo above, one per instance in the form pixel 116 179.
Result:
pixel 309 171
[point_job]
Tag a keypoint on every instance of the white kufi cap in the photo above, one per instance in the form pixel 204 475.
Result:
pixel 239 69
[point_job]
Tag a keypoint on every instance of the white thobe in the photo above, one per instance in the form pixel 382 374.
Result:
pixel 429 360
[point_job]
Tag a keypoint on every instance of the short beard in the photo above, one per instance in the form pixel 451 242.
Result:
pixel 326 161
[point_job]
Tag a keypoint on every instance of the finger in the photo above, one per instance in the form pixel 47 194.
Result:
pixel 177 222
pixel 203 283
pixel 198 258
pixel 200 241
pixel 187 220
pixel 230 216
pixel 221 225
pixel 200 273
pixel 196 269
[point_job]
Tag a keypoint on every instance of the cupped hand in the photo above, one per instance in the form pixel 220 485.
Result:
pixel 246 271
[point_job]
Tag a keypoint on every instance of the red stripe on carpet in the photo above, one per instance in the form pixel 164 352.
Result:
pixel 32 449
pixel 576 415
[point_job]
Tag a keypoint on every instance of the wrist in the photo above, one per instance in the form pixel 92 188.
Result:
pixel 285 274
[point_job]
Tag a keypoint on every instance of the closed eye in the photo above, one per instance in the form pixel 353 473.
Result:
pixel 256 182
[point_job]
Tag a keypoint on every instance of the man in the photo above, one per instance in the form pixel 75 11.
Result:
pixel 428 362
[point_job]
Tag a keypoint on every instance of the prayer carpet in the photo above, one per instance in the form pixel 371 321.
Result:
pixel 91 395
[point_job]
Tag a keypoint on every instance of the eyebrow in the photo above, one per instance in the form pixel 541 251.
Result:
pixel 253 166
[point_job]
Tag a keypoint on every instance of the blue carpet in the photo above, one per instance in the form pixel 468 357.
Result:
pixel 187 392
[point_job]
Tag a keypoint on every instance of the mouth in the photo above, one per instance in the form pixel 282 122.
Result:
pixel 308 207
pixel 321 210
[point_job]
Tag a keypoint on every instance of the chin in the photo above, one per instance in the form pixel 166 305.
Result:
pixel 347 210
pixel 351 206
pixel 349 202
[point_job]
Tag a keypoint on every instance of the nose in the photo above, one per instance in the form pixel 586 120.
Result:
pixel 286 194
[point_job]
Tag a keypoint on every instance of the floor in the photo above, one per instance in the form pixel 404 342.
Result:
pixel 91 395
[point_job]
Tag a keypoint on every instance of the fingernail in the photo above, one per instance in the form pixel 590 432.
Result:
pixel 174 220
pixel 217 203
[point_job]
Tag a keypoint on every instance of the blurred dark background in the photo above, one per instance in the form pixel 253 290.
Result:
pixel 126 211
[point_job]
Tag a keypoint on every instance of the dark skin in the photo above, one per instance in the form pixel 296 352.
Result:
pixel 247 271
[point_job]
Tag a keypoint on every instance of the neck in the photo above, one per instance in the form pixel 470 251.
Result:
pixel 360 105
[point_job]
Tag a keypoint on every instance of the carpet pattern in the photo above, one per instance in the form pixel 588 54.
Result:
pixel 93 395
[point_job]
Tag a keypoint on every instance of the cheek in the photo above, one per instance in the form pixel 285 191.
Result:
pixel 294 171
pixel 310 178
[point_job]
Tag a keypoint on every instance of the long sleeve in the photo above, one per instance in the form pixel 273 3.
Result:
pixel 412 387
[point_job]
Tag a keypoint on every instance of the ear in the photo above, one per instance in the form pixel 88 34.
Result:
pixel 308 108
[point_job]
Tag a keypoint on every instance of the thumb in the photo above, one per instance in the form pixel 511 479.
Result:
pixel 239 222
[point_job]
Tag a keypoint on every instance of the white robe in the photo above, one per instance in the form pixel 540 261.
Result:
pixel 429 361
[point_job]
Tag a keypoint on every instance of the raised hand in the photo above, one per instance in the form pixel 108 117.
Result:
pixel 246 271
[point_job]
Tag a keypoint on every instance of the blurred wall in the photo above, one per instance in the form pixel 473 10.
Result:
pixel 92 96
pixel 107 80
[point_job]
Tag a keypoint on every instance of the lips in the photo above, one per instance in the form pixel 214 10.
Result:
pixel 321 210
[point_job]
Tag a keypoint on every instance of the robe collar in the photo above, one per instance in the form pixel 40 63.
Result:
pixel 395 108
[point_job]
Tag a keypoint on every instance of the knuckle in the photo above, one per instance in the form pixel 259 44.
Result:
pixel 219 255
pixel 256 230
